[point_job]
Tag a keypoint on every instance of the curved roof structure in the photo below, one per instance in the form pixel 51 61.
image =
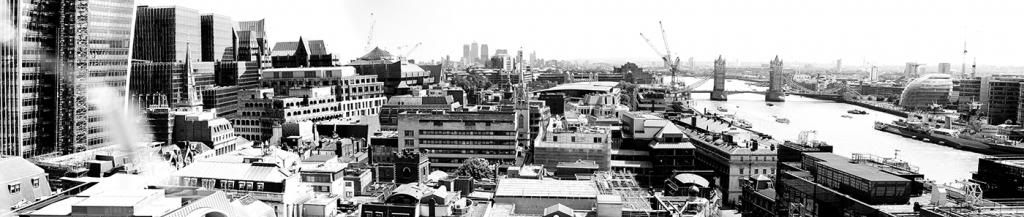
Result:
pixel 687 178
pixel 377 54
pixel 926 91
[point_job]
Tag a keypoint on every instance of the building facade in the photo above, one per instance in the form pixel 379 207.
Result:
pixel 218 38
pixel 450 138
pixel 53 60
pixel 166 34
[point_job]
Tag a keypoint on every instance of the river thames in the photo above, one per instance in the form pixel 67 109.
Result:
pixel 847 135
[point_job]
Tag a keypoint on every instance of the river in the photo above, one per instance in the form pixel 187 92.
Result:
pixel 846 135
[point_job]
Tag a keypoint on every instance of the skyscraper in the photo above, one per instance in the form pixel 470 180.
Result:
pixel 465 54
pixel 484 55
pixel 218 38
pixel 839 65
pixel 162 33
pixel 944 68
pixel 474 53
pixel 47 69
pixel 253 42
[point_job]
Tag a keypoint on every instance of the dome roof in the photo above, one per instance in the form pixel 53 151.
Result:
pixel 377 54
pixel 688 178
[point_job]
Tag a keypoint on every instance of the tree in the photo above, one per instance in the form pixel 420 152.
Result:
pixel 478 168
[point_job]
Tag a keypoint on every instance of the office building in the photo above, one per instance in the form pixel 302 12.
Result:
pixel 928 90
pixel 40 109
pixel 450 138
pixel 261 109
pixel 253 44
pixel 301 53
pixel 168 78
pixel 563 142
pixel 944 69
pixel 474 53
pixel 484 55
pixel 216 133
pixel 223 99
pixel 826 184
pixel 244 74
pixel 349 87
pixel 399 77
pixel 400 104
pixel 911 69
pixel 219 40
pixel 163 34
pixel 466 58
pixel 739 154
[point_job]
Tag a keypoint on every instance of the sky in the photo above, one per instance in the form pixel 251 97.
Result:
pixel 876 32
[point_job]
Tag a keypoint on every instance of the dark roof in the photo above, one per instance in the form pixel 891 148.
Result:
pixel 420 100
pixel 377 54
pixel 285 48
pixel 864 171
pixel 584 164
pixel 317 47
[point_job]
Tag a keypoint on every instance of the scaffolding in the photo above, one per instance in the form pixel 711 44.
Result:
pixel 623 184
pixel 884 161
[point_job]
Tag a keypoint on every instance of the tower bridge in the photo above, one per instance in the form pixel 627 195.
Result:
pixel 779 85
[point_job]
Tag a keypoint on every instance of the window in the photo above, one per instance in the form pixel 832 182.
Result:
pixel 318 188
pixel 410 142
pixel 228 184
pixel 555 138
pixel 409 133
pixel 209 183
pixel 470 124
pixel 259 186
pixel 597 139
pixel 348 184
pixel 245 185
pixel 741 170
pixel 191 182
pixel 438 123
pixel 35 182
pixel 14 188
pixel 573 139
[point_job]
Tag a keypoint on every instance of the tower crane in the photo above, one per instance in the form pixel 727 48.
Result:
pixel 369 37
pixel 672 65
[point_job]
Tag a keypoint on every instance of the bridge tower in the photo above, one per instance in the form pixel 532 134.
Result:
pixel 775 82
pixel 718 92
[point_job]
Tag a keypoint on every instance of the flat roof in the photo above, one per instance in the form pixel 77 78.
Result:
pixel 512 187
pixel 232 171
pixel 840 163
pixel 597 86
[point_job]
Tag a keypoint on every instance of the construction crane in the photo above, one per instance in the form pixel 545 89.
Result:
pixel 672 65
pixel 409 52
pixel 369 37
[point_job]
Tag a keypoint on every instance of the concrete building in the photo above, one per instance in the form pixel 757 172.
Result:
pixel 348 86
pixel 218 38
pixel 450 138
pixel 261 109
pixel 560 143
pixel 826 184
pixel 41 112
pixel 261 181
pixel 399 77
pixel 457 93
pixel 418 200
pixel 164 34
pixel 396 105
pixel 732 154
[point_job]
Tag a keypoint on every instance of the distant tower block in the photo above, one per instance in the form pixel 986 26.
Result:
pixel 774 93
pixel 718 93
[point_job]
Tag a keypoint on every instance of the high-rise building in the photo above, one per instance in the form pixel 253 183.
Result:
pixel 163 34
pixel 944 68
pixel 839 65
pixel 47 69
pixel 168 78
pixel 484 55
pixel 911 69
pixel 253 44
pixel 533 59
pixel 474 52
pixel 465 54
pixel 218 38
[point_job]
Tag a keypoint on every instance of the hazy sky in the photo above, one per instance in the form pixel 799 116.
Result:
pixel 876 31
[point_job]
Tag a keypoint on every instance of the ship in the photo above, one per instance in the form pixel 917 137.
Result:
pixel 781 119
pixel 968 140
pixel 857 112
pixel 914 130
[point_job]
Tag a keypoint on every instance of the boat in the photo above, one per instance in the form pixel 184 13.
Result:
pixel 846 116
pixel 781 119
pixel 722 109
pixel 857 112
pixel 769 104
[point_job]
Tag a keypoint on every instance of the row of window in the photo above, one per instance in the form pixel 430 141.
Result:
pixel 16 187
pixel 467 132
pixel 224 184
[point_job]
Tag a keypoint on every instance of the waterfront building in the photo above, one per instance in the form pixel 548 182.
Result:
pixel 163 34
pixel 450 138
pixel 218 38
pixel 1000 99
pixel 54 45
pixel 826 184
pixel 293 54
pixel 399 77
pixel 633 73
pixel 651 98
pixel 927 90
pixel 253 44
pixel 883 92
pixel 400 104
pixel 1000 177
pixel 731 153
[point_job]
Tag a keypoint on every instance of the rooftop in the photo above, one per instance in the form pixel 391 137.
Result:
pixel 596 86
pixel 512 187
pixel 233 171
pixel 860 170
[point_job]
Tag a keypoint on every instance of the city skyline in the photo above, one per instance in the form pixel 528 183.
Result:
pixel 876 32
